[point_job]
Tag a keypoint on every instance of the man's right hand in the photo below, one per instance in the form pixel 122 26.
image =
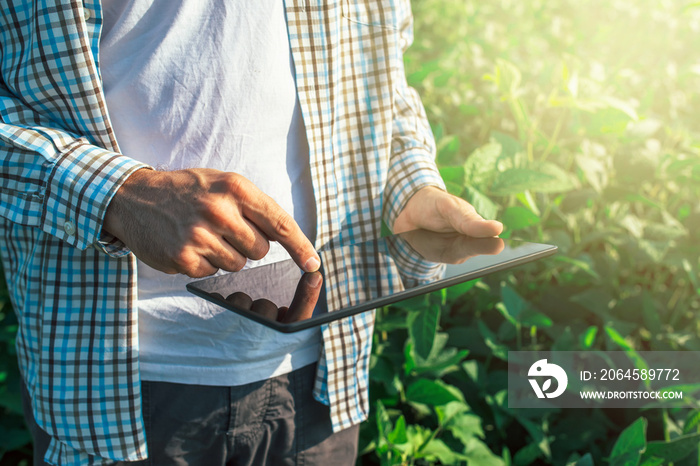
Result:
pixel 200 220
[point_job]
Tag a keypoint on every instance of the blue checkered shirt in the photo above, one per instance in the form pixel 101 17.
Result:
pixel 73 286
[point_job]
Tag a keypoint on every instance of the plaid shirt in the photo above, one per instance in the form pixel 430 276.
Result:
pixel 73 286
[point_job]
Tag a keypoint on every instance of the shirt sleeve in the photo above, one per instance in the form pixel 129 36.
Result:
pixel 56 180
pixel 412 164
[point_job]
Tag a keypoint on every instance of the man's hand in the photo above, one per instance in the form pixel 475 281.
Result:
pixel 198 221
pixel 435 210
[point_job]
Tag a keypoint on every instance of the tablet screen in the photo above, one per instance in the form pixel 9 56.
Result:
pixel 362 276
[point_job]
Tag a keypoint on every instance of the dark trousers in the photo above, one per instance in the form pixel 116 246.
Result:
pixel 271 422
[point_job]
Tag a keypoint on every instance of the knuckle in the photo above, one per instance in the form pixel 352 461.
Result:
pixel 215 212
pixel 186 263
pixel 197 235
pixel 450 202
pixel 284 225
pixel 236 184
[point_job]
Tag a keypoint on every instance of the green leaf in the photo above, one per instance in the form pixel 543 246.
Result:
pixel 398 434
pixel 437 449
pixel 409 357
pixel 440 362
pixel 663 232
pixel 544 177
pixel 595 300
pixel 483 205
pixel 673 450
pixel 652 252
pixel 643 129
pixel 528 201
pixel 507 77
pixel 517 218
pixel 561 179
pixel 423 328
pixel 432 392
pixel 617 338
pixel 482 165
pixel 471 368
pixel 582 265
pixel 588 337
pixel 456 291
pixel 692 422
pixel 517 180
pixel 594 170
pixel 466 426
pixel 456 189
pixel 585 460
pixel 383 421
pixel 447 148
pixel 498 349
pixel 621 105
pixel 531 318
pixel 630 444
pixel 410 304
pixel 509 145
pixel 453 174
pixel 527 455
pixel 417 434
pixel 445 414
pixel 383 371
pixel 538 434
pixel 514 303
pixel 633 225
pixel 478 454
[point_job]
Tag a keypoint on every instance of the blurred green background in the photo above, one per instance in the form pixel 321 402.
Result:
pixel 575 122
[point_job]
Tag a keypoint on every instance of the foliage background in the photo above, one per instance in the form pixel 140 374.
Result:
pixel 575 123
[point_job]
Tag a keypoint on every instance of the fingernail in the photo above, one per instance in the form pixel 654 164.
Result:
pixel 314 280
pixel 312 265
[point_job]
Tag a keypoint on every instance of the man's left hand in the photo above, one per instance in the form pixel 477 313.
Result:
pixel 433 209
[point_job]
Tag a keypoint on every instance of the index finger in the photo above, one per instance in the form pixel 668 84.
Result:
pixel 279 226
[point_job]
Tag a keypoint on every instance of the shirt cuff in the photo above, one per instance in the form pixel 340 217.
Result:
pixel 79 190
pixel 408 174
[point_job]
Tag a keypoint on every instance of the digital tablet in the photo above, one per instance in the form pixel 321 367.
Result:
pixel 362 276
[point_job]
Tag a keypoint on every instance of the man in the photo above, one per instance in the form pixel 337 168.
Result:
pixel 197 84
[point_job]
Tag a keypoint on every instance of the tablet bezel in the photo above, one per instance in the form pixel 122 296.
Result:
pixel 539 251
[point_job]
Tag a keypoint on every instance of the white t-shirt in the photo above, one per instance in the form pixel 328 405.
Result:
pixel 209 84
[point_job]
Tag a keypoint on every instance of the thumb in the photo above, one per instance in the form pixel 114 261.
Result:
pixel 466 220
